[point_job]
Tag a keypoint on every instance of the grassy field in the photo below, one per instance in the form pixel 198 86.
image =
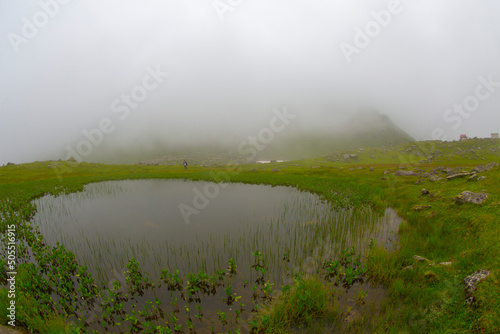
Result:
pixel 421 296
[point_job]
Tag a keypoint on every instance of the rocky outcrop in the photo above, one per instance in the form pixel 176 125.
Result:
pixel 470 197
pixel 484 168
pixel 458 176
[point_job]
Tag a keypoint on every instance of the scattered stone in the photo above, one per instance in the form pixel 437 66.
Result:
pixel 360 167
pixel 471 283
pixel 441 264
pixel 383 178
pixel 387 171
pixel 421 207
pixel 420 259
pixel 458 176
pixel 426 175
pixel 405 173
pixel 275 170
pixel 351 168
pixel 354 156
pixel 315 166
pixel 253 170
pixel 402 167
pixel 435 178
pixel 481 178
pixel 10 164
pixel 485 168
pixel 473 177
pixel 419 182
pixel 424 192
pixel 470 197
pixel 371 169
pixel 408 267
pixel 346 156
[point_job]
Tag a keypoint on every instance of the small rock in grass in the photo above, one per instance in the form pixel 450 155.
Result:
pixel 424 192
pixel 420 258
pixel 471 283
pixel 470 197
pixel 473 177
pixel 440 264
pixel 420 207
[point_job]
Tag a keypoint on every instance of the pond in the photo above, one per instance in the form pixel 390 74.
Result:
pixel 198 226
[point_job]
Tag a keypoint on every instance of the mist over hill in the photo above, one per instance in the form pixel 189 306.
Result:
pixel 275 140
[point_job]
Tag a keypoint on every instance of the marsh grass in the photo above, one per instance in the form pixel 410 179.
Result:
pixel 303 227
pixel 423 300
pixel 296 239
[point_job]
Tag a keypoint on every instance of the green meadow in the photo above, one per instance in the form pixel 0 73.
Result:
pixel 392 290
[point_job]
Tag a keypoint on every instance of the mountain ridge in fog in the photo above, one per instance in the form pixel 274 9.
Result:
pixel 296 141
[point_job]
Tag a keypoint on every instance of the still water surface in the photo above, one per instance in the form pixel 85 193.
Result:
pixel 110 222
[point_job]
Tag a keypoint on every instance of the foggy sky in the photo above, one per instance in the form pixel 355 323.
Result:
pixel 67 65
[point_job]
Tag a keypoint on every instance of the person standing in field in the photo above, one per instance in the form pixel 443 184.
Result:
pixel 185 164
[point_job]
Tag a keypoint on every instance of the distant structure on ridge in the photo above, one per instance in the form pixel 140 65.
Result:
pixel 494 135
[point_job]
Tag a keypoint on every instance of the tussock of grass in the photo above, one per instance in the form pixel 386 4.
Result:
pixel 27 316
pixel 305 302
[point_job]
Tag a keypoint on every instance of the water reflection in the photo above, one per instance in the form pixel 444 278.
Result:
pixel 110 222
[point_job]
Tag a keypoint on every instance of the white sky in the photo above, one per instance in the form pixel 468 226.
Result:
pixel 228 70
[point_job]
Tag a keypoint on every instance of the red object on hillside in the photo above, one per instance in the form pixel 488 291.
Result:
pixel 463 137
